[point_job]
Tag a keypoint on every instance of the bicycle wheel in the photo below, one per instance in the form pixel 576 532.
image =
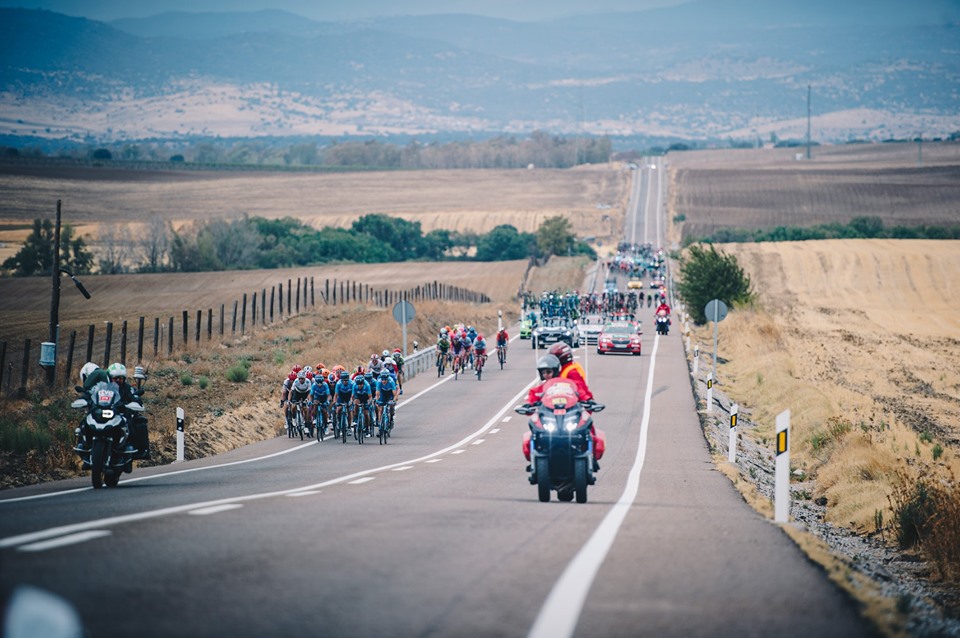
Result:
pixel 384 424
pixel 500 357
pixel 456 368
pixel 342 425
pixel 319 425
pixel 361 426
pixel 299 421
pixel 479 368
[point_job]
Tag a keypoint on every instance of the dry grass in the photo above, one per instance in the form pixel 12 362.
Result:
pixel 857 338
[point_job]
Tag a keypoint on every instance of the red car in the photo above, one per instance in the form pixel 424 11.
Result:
pixel 619 337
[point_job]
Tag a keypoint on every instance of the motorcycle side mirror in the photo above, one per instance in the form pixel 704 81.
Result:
pixel 134 407
pixel 598 407
pixel 79 403
pixel 524 410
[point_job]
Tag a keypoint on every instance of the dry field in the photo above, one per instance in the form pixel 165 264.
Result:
pixel 475 200
pixel 767 188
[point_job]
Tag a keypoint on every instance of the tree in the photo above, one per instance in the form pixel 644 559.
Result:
pixel 706 274
pixel 504 242
pixel 154 246
pixel 555 237
pixel 36 255
pixel 115 248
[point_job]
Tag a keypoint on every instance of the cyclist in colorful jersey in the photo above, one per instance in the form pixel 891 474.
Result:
pixel 456 345
pixel 398 359
pixel 472 333
pixel 443 346
pixel 502 340
pixel 480 349
pixel 386 392
pixel 343 394
pixel 319 395
pixel 285 396
pixel 299 391
pixel 466 346
pixel 362 393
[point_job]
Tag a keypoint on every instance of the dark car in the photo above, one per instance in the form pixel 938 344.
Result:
pixel 619 337
pixel 554 330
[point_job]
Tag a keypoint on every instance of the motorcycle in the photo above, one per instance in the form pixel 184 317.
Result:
pixel 559 445
pixel 106 430
pixel 663 324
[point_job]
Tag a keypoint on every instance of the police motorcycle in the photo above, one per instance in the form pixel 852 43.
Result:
pixel 559 445
pixel 104 434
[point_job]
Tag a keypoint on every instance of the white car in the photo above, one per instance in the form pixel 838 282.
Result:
pixel 590 327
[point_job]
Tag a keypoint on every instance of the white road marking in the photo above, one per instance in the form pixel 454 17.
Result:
pixel 403 469
pixel 307 493
pixel 506 418
pixel 216 509
pixel 561 611
pixel 458 452
pixel 361 481
pixel 63 541
pixel 30 537
pixel 478 441
pixel 494 430
pixel 433 461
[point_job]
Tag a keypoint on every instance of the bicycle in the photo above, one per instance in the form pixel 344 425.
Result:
pixel 361 430
pixel 322 420
pixel 501 355
pixel 481 359
pixel 386 421
pixel 296 425
pixel 441 363
pixel 342 417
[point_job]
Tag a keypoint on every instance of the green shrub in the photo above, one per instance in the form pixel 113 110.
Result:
pixel 186 378
pixel 204 382
pixel 707 274
pixel 937 452
pixel 22 438
pixel 238 373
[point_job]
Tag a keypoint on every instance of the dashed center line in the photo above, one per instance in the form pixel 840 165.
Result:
pixel 458 452
pixel 506 418
pixel 433 461
pixel 494 430
pixel 478 442
pixel 308 493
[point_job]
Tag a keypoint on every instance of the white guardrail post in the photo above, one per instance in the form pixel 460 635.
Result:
pixel 180 418
pixel 420 362
pixel 782 473
pixel 696 359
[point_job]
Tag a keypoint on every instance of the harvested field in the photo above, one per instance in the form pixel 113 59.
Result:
pixel 464 200
pixel 767 188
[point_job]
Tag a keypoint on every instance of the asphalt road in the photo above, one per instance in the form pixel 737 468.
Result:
pixel 436 534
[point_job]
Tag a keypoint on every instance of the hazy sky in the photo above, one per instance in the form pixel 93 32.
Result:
pixel 342 9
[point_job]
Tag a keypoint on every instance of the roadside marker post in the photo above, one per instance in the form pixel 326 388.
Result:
pixel 709 393
pixel 179 435
pixel 782 482
pixel 696 359
pixel 732 447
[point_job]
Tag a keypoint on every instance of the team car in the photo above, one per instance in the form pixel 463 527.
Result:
pixel 619 337
pixel 554 330
pixel 590 327
pixel 526 328
pixel 635 284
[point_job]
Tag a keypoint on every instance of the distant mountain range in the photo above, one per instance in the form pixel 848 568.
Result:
pixel 707 69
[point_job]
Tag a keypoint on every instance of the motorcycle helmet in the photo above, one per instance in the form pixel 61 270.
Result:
pixel 386 353
pixel 88 368
pixel 117 370
pixel 562 351
pixel 548 362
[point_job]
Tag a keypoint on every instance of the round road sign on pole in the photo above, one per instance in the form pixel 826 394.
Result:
pixel 403 312
pixel 715 311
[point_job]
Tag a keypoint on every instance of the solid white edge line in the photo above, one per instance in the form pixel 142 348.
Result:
pixel 561 611
pixel 52 532
pixel 63 541
pixel 216 509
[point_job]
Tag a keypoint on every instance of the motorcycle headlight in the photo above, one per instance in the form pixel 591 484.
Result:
pixel 570 425
pixel 549 424
pixel 106 414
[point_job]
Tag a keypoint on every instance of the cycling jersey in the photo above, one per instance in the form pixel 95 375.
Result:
pixel 443 345
pixel 320 392
pixel 343 390
pixel 386 388
pixel 480 346
pixel 361 390
pixel 502 338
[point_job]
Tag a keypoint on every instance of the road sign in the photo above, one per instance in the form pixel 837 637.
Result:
pixel 715 310
pixel 403 312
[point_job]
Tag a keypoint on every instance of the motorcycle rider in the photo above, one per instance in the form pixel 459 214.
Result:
pixel 139 436
pixel 663 308
pixel 548 367
pixel 90 375
pixel 570 369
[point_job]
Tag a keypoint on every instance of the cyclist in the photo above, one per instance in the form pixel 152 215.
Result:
pixel 362 393
pixel 299 392
pixel 466 345
pixel 357 374
pixel 502 340
pixel 480 349
pixel 472 333
pixel 443 346
pixel 343 394
pixel 457 346
pixel 320 395
pixel 398 359
pixel 386 390
pixel 285 396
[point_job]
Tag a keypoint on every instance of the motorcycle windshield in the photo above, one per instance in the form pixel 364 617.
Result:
pixel 105 394
pixel 560 394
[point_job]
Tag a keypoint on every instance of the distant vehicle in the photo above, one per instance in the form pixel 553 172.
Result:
pixel 590 327
pixel 554 330
pixel 635 284
pixel 610 287
pixel 619 337
pixel 657 283
pixel 526 328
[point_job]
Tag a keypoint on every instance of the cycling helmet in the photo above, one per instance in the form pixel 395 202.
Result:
pixel 320 366
pixel 309 376
pixel 332 378
pixel 386 353
pixel 117 370
pixel 390 363
pixel 307 369
pixel 301 375
pixel 88 368
pixel 297 368
pixel 562 351
pixel 338 368
pixel 384 375
pixel 292 377
pixel 368 375
pixel 397 351
pixel 479 337
pixel 548 362
pixel 344 375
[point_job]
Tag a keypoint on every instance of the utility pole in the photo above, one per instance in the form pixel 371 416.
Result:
pixel 808 121
pixel 55 297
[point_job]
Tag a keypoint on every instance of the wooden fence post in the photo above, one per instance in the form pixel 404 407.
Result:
pixel 123 342
pixel 209 325
pixel 289 297
pixel 263 307
pixel 233 326
pixel 243 315
pixel 199 326
pixel 222 310
pixel 90 331
pixel 280 295
pixel 298 295
pixel 156 336
pixel 170 338
pixel 106 347
pixel 313 300
pixel 24 368
pixel 272 291
pixel 253 309
pixel 69 366
pixel 140 342
pixel 185 319
pixel 326 291
pixel 334 292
